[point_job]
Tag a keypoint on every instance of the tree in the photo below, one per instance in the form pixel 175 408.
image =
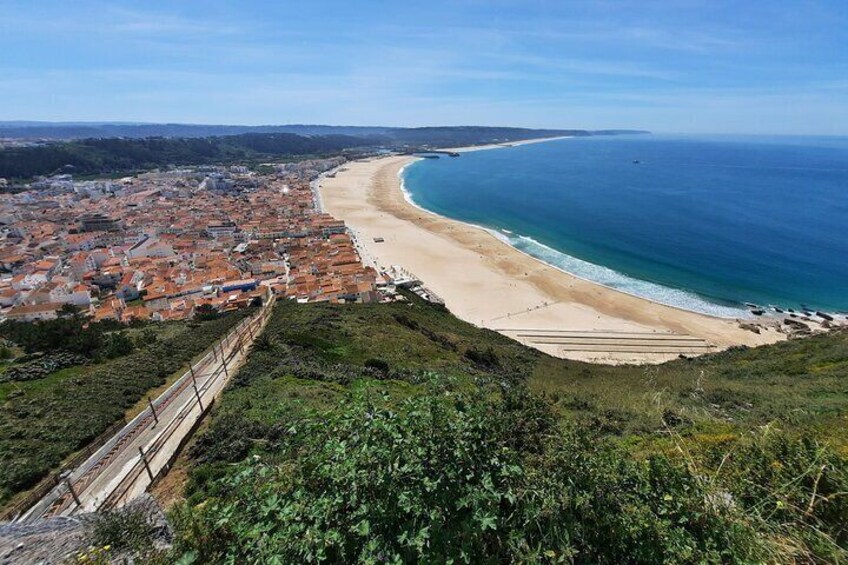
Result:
pixel 117 345
pixel 69 310
pixel 205 312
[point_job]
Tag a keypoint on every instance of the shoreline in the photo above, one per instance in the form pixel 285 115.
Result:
pixel 539 304
pixel 505 144
pixel 744 315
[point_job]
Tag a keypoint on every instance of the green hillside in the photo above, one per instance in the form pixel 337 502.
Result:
pixel 395 432
pixel 107 153
pixel 47 416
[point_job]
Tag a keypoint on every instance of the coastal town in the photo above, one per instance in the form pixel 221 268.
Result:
pixel 162 245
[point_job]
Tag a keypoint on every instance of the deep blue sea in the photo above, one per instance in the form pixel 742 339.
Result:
pixel 702 223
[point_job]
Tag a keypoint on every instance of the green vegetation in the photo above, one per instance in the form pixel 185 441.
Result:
pixel 44 420
pixel 122 529
pixel 111 155
pixel 397 433
pixel 71 333
pixel 105 156
pixel 455 476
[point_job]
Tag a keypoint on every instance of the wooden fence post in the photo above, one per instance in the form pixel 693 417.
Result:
pixel 152 409
pixel 73 492
pixel 197 393
pixel 146 465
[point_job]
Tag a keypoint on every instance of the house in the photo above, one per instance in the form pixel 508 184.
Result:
pixel 9 297
pixel 243 285
pixel 34 312
pixel 127 289
pixel 29 281
pixel 221 229
pixel 150 247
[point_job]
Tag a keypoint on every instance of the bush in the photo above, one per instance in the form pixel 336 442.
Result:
pixel 460 477
pixel 41 367
pixel 72 333
pixel 796 484
pixel 378 365
pixel 205 312
pixel 117 345
pixel 486 358
pixel 264 342
pixel 128 528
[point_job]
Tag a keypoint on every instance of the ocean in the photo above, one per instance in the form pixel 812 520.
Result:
pixel 706 224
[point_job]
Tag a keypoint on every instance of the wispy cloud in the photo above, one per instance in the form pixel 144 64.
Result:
pixel 582 63
pixel 155 22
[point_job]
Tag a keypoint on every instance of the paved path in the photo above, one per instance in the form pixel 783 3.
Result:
pixel 118 472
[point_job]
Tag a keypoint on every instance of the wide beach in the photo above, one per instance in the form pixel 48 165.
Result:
pixel 487 282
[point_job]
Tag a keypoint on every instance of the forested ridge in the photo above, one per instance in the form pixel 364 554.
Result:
pixel 112 155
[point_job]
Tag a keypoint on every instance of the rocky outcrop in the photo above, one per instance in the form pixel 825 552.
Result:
pixel 59 540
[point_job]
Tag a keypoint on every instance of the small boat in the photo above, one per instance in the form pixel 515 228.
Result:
pixel 636 161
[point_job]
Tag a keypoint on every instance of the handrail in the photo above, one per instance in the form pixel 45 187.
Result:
pixel 137 470
pixel 92 465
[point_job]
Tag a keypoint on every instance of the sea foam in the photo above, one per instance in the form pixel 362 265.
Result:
pixel 598 274
pixel 613 279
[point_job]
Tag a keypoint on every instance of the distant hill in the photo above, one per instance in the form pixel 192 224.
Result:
pixel 81 130
pixel 104 151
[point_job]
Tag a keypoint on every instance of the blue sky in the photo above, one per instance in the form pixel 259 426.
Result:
pixel 707 66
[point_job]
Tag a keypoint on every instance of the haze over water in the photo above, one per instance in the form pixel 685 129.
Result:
pixel 702 223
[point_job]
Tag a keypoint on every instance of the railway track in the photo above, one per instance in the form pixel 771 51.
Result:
pixel 143 449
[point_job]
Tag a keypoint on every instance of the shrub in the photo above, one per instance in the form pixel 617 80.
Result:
pixel 378 365
pixel 117 345
pixel 459 477
pixel 264 342
pixel 796 485
pixel 41 367
pixel 127 528
pixel 486 358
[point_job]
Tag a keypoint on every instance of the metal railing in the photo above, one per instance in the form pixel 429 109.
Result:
pixel 249 328
pixel 90 469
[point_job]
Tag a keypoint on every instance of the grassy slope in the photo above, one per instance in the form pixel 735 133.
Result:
pixel 318 356
pixel 43 421
pixel 319 349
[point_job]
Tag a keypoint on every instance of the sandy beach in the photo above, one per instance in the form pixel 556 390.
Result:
pixel 488 283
